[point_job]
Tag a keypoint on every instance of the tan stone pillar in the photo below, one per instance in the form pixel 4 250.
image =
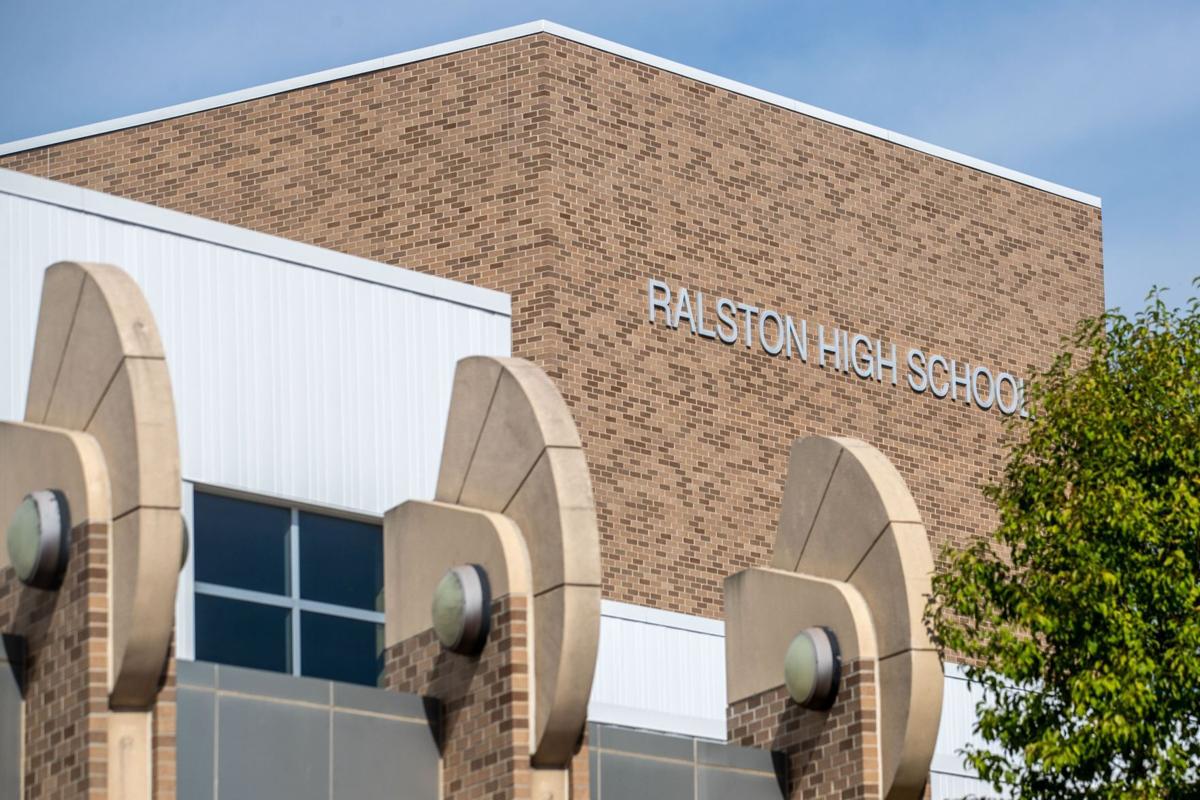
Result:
pixel 99 429
pixel 852 555
pixel 514 497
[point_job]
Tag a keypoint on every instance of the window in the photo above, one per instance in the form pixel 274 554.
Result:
pixel 286 589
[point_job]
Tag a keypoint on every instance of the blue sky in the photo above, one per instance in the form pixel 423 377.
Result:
pixel 1100 96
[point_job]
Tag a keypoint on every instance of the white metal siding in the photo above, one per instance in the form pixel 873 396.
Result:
pixel 664 671
pixel 951 776
pixel 290 379
pixel 659 670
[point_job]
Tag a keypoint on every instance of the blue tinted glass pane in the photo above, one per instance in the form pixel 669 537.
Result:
pixel 243 634
pixel 341 562
pixel 242 544
pixel 341 649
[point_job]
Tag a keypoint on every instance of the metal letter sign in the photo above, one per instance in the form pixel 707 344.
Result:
pixel 781 335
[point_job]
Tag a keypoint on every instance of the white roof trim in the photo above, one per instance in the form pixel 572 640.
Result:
pixel 302 255
pixel 665 619
pixel 527 29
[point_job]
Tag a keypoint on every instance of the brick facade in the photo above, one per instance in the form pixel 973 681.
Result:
pixel 832 753
pixel 66 678
pixel 66 682
pixel 483 707
pixel 568 177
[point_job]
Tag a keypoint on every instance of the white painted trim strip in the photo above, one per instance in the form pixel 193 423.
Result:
pixel 276 87
pixel 563 32
pixel 954 765
pixel 269 498
pixel 655 720
pixel 788 103
pixel 302 255
pixel 664 619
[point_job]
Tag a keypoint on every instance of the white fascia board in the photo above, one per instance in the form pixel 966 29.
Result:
pixel 302 255
pixel 952 764
pixel 664 619
pixel 563 32
pixel 658 721
pixel 818 113
pixel 276 87
pixel 954 671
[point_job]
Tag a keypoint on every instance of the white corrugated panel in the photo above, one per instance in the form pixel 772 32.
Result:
pixel 664 671
pixel 951 777
pixel 298 372
pixel 659 670
pixel 952 787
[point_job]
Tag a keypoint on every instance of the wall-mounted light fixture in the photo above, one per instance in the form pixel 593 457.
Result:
pixel 811 668
pixel 462 604
pixel 39 536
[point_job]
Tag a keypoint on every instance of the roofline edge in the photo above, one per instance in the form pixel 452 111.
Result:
pixel 563 32
pixel 288 251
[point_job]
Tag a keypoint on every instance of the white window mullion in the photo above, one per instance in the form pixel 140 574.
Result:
pixel 185 598
pixel 294 553
pixel 245 595
pixel 291 599
pixel 347 612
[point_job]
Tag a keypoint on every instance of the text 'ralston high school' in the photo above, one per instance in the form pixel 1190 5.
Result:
pixel 778 334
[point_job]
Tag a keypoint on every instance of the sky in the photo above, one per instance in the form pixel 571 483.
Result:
pixel 1100 96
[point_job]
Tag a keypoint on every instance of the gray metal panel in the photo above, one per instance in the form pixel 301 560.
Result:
pixel 12 710
pixel 625 777
pixel 275 685
pixel 378 701
pixel 648 744
pixel 629 764
pixel 195 673
pixel 721 784
pixel 250 734
pixel 716 754
pixel 290 379
pixel 271 751
pixel 375 758
pixel 196 737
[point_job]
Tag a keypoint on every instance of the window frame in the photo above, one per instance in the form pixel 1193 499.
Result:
pixel 189 587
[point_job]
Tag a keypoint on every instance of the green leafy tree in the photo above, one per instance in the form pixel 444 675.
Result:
pixel 1080 617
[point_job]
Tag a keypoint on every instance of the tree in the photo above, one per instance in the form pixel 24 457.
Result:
pixel 1080 617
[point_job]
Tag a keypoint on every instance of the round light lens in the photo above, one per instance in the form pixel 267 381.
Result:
pixel 38 539
pixel 24 537
pixel 811 668
pixel 462 605
pixel 449 602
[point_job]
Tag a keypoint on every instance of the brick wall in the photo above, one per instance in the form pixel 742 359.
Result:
pixel 832 753
pixel 568 177
pixel 66 690
pixel 483 714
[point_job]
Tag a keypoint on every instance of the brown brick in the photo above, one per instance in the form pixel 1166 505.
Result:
pixel 567 177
